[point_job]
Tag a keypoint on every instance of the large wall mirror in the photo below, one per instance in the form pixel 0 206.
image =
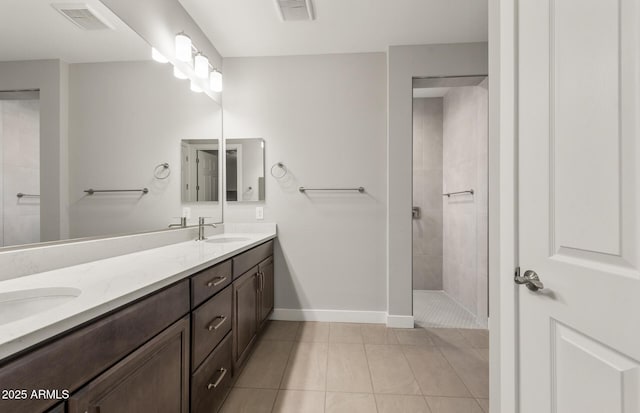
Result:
pixel 244 170
pixel 91 128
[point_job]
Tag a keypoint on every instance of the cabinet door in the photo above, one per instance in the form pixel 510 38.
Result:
pixel 154 378
pixel 266 288
pixel 245 302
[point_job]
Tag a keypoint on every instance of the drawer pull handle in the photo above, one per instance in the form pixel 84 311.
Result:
pixel 223 372
pixel 218 324
pixel 219 280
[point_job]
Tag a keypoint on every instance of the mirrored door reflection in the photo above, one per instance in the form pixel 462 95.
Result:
pixel 200 171
pixel 19 167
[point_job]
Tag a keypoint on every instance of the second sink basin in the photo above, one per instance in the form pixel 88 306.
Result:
pixel 223 240
pixel 20 304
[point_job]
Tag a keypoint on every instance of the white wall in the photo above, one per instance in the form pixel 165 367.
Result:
pixel 19 171
pixel 126 118
pixel 50 77
pixel 465 166
pixel 427 193
pixel 404 63
pixel 324 117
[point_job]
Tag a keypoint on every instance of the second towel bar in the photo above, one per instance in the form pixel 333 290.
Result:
pixel 303 189
pixel 448 194
pixel 92 191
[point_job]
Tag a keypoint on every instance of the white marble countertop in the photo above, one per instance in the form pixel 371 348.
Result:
pixel 110 283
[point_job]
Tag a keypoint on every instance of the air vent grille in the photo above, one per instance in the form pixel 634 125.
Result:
pixel 295 10
pixel 82 16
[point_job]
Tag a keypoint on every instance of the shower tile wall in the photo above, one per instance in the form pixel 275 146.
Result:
pixel 19 171
pixel 427 193
pixel 465 229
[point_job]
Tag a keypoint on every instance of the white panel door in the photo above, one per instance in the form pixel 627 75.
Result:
pixel 579 205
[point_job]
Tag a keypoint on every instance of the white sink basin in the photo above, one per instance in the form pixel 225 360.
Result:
pixel 20 304
pixel 223 240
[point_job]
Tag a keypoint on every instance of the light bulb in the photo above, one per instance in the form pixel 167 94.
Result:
pixel 216 81
pixel 178 73
pixel 183 47
pixel 195 87
pixel 157 56
pixel 201 66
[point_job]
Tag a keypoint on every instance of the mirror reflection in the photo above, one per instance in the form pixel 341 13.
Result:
pixel 88 122
pixel 200 170
pixel 244 170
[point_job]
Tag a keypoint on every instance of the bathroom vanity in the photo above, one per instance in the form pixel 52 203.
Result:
pixel 174 349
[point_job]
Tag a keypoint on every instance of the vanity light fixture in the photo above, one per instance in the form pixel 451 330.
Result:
pixel 201 66
pixel 157 56
pixel 183 47
pixel 215 82
pixel 178 73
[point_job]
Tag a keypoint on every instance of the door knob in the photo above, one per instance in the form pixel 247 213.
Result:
pixel 530 279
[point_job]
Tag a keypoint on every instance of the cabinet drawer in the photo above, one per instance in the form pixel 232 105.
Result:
pixel 212 380
pixel 210 323
pixel 245 261
pixel 208 282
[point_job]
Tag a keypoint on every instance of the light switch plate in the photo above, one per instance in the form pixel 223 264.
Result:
pixel 259 213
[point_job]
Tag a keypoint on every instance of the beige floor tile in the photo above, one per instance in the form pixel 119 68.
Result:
pixel 265 367
pixel 249 401
pixel 484 353
pixel 378 334
pixel 390 371
pixel 447 337
pixel 281 330
pixel 434 374
pixel 295 401
pixel 413 336
pixel 307 367
pixel 484 403
pixel 471 368
pixel 453 405
pixel 391 403
pixel 350 403
pixel 477 338
pixel 348 370
pixel 345 333
pixel 314 332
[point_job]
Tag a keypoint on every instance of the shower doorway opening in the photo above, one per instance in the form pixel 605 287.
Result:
pixel 450 202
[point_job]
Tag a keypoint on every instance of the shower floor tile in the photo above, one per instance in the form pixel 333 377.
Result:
pixel 437 309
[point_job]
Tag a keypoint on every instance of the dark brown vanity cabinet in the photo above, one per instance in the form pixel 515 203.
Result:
pixel 252 297
pixel 176 350
pixel 154 378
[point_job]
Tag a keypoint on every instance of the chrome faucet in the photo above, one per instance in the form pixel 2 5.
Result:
pixel 201 226
pixel 182 224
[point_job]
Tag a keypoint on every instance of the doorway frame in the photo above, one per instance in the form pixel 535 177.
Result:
pixel 497 58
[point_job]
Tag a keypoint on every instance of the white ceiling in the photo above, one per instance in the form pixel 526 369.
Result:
pixel 33 29
pixel 253 27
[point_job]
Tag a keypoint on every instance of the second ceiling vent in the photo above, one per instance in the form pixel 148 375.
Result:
pixel 295 10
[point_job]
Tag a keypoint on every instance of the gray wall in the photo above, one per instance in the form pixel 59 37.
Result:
pixel 324 117
pixel 405 62
pixel 19 171
pixel 50 77
pixel 427 193
pixel 127 118
pixel 465 166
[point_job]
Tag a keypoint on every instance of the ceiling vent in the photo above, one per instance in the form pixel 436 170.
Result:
pixel 295 10
pixel 82 16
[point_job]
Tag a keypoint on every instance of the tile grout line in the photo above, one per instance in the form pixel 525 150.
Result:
pixel 366 358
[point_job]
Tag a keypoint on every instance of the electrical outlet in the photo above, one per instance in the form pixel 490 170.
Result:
pixel 259 213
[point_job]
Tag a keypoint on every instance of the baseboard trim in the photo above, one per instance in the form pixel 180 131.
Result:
pixel 337 316
pixel 400 321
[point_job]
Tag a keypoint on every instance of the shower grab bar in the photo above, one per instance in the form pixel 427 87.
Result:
pixel 92 191
pixel 448 194
pixel 21 195
pixel 359 189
